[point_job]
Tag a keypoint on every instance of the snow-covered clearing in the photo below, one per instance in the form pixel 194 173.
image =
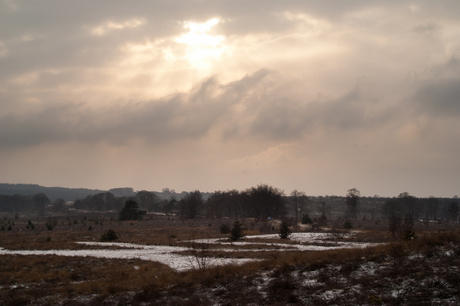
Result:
pixel 169 255
pixel 303 240
pixel 163 254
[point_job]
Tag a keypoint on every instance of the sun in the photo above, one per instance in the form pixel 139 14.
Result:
pixel 201 47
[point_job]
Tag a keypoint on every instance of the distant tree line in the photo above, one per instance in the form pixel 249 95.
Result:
pixel 106 201
pixel 262 201
pixel 423 209
pixel 20 203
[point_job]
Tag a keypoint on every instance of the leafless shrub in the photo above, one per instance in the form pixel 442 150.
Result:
pixel 200 253
pixel 402 228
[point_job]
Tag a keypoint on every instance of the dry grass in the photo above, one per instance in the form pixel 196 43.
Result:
pixel 27 279
pixel 38 276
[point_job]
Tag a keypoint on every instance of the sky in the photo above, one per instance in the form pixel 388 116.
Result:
pixel 318 96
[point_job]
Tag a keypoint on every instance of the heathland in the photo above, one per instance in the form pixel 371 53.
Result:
pixel 332 251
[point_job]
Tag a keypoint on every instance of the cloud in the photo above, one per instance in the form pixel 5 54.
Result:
pixel 438 93
pixel 256 106
pixel 333 86
pixel 110 25
pixel 3 49
pixel 440 98
pixel 426 28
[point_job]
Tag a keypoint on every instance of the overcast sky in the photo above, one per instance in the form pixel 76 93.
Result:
pixel 318 96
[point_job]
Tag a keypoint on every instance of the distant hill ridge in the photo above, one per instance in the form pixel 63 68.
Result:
pixel 53 193
pixel 72 194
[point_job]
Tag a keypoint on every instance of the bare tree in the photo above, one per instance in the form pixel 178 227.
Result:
pixel 352 201
pixel 40 202
pixel 431 209
pixel 402 227
pixel 200 252
pixel 453 212
pixel 299 200
pixel 148 200
pixel 394 225
pixel 191 204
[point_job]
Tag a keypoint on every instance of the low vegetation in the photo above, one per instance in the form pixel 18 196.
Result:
pixel 131 211
pixel 284 231
pixel 423 269
pixel 110 235
pixel 237 231
pixel 414 258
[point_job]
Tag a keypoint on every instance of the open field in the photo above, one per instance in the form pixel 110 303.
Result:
pixel 330 266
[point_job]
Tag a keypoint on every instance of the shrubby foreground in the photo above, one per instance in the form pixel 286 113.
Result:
pixel 283 271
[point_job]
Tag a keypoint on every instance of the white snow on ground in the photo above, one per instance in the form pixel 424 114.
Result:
pixel 168 254
pixel 162 254
pixel 297 237
pixel 302 237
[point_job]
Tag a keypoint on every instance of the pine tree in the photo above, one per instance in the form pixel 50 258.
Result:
pixel 237 231
pixel 284 231
pixel 131 211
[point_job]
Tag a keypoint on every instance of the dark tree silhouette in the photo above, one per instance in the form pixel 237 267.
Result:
pixel 431 209
pixel 40 201
pixel 110 235
pixel 306 219
pixel 59 205
pixel 298 199
pixel 170 207
pixel 409 205
pixel 148 200
pixel 265 201
pixel 237 231
pixel 453 212
pixel 190 205
pixel 284 231
pixel 226 204
pixel 352 201
pixel 131 211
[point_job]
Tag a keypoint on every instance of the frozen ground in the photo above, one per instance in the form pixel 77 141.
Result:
pixel 168 255
pixel 163 254
pixel 306 242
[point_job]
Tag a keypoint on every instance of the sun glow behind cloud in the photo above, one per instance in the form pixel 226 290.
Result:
pixel 295 94
pixel 201 47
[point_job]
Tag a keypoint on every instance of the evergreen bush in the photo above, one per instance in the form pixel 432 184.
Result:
pixel 110 235
pixel 284 231
pixel 237 231
pixel 306 219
